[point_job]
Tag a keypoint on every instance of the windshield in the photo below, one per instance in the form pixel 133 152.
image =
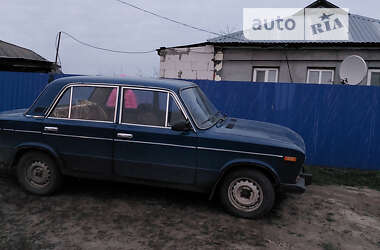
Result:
pixel 204 113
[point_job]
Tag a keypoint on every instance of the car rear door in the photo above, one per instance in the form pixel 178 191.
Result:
pixel 145 146
pixel 81 127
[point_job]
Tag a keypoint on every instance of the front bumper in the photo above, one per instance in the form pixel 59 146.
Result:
pixel 300 187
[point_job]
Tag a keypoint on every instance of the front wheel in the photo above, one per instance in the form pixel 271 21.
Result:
pixel 247 193
pixel 38 173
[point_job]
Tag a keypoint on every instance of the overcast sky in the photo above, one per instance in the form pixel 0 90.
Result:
pixel 108 23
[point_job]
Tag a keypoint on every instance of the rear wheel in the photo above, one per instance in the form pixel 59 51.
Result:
pixel 247 193
pixel 38 173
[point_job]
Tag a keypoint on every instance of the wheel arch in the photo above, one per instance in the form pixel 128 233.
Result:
pixel 35 147
pixel 234 165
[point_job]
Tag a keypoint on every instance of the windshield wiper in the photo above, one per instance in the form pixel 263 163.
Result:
pixel 209 119
pixel 221 119
pixel 214 116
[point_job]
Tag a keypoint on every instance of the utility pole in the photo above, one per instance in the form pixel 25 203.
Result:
pixel 59 42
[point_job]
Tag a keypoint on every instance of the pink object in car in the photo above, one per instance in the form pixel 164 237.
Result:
pixel 129 99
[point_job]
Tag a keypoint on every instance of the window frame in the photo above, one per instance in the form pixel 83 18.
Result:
pixel 71 86
pixel 369 76
pixel 168 94
pixel 320 70
pixel 266 69
pixel 119 103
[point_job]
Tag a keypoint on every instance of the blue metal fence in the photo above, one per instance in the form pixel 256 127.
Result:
pixel 18 90
pixel 338 123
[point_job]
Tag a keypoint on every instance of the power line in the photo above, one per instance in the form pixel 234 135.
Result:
pixel 167 18
pixel 148 51
pixel 178 22
pixel 105 49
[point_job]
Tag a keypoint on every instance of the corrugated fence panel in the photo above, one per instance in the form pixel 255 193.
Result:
pixel 19 90
pixel 340 124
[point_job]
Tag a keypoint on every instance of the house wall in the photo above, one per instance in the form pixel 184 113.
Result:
pixel 187 63
pixel 238 63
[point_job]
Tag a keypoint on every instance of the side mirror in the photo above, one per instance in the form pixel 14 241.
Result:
pixel 181 126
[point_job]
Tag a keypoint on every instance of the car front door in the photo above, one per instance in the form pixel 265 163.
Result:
pixel 146 147
pixel 81 127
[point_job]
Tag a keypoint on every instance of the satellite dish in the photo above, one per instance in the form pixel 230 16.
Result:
pixel 353 70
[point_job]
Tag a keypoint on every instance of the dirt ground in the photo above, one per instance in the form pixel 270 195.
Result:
pixel 103 215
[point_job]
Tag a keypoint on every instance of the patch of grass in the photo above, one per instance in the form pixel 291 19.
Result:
pixel 329 218
pixel 347 177
pixel 328 246
pixel 22 243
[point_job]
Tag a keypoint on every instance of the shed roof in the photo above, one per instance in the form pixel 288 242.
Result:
pixel 8 50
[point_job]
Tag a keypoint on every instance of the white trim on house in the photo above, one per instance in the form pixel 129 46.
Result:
pixel 320 75
pixel 369 78
pixel 266 78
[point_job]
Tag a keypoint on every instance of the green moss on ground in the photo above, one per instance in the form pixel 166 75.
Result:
pixel 347 177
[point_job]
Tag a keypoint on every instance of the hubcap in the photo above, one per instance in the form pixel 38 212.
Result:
pixel 245 194
pixel 38 174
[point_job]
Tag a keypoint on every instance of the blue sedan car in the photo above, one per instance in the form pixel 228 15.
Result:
pixel 156 132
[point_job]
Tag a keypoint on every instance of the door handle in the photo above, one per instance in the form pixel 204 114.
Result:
pixel 51 129
pixel 124 136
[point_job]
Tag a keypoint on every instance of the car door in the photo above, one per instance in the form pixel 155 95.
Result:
pixel 81 126
pixel 145 146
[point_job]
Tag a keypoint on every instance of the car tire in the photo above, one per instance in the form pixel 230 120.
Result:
pixel 38 174
pixel 247 193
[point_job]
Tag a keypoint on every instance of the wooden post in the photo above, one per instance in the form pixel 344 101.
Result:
pixel 59 42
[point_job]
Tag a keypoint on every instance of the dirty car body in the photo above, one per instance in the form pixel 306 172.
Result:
pixel 156 132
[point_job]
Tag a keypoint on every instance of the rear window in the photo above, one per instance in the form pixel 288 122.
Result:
pixel 90 103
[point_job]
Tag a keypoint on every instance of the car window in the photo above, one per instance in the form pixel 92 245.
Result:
pixel 61 110
pixel 144 107
pixel 129 96
pixel 87 103
pixel 175 115
pixel 200 107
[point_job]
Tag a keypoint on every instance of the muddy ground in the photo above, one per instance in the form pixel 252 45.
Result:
pixel 104 215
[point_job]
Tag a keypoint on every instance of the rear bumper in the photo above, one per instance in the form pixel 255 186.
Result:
pixel 300 187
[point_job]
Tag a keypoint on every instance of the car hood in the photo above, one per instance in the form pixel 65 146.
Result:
pixel 262 133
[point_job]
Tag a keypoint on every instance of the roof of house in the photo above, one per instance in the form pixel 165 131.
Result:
pixel 321 4
pixel 362 30
pixel 8 50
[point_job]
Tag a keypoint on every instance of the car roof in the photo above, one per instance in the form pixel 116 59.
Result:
pixel 48 95
pixel 174 85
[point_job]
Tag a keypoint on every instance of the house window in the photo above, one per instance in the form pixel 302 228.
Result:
pixel 373 77
pixel 320 76
pixel 265 75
